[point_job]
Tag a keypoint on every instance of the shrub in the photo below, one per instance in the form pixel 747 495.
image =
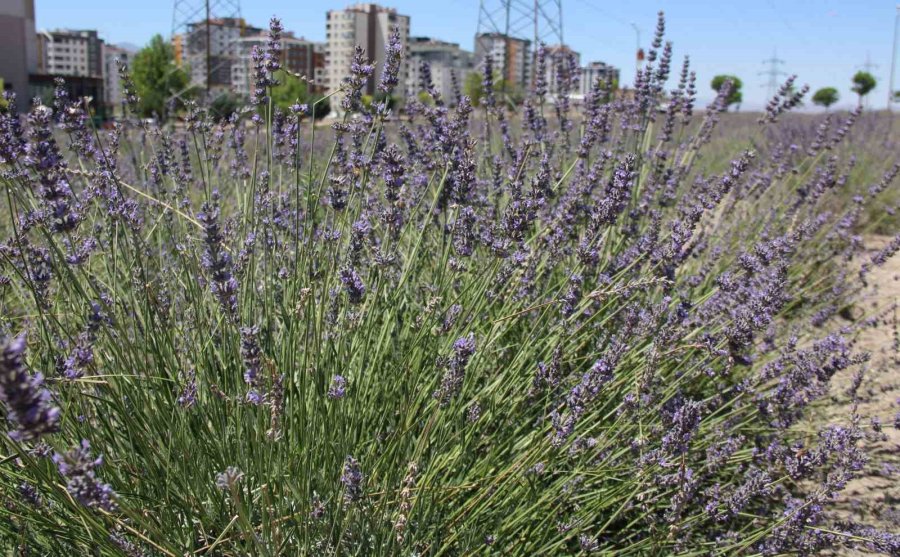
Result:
pixel 453 334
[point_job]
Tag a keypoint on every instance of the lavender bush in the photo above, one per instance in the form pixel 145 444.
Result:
pixel 463 331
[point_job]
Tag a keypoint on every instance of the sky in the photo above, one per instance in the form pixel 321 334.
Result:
pixel 824 42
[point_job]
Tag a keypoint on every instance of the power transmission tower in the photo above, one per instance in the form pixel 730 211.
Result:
pixel 773 73
pixel 192 22
pixel 511 30
pixel 868 66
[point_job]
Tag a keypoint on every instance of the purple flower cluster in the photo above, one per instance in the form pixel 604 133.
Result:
pixel 29 407
pixel 78 468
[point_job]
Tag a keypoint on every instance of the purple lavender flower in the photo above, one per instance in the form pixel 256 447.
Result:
pixel 451 383
pixel 393 52
pixel 353 285
pixel 352 86
pixel 252 356
pixel 682 427
pixel 28 404
pixel 216 259
pixel 338 387
pixel 353 481
pixel 78 468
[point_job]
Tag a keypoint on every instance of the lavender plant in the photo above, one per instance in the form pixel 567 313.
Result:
pixel 461 331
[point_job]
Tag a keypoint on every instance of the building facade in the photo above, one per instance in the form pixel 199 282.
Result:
pixel 220 51
pixel 18 48
pixel 112 88
pixel 368 26
pixel 446 62
pixel 559 59
pixel 594 72
pixel 298 56
pixel 511 57
pixel 70 52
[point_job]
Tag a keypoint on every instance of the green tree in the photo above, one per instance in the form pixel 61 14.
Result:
pixel 157 78
pixel 474 88
pixel 826 96
pixel 292 90
pixel 223 106
pixel 863 82
pixel 735 96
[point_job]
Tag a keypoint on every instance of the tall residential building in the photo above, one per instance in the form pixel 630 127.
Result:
pixel 445 60
pixel 18 48
pixel 298 55
pixel 560 58
pixel 511 56
pixel 70 52
pixel 112 89
pixel 597 71
pixel 222 52
pixel 368 26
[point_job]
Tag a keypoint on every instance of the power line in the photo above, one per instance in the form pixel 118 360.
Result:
pixel 508 29
pixel 868 66
pixel 773 72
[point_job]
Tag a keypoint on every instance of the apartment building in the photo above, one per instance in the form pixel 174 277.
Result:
pixel 368 26
pixel 445 61
pixel 511 57
pixel 70 52
pixel 18 48
pixel 298 55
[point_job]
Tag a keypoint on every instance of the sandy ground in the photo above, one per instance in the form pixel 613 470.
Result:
pixel 874 497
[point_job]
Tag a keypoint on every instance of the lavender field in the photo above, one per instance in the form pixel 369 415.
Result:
pixel 626 325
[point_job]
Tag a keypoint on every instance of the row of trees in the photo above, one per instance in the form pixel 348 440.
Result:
pixel 863 83
pixel 162 85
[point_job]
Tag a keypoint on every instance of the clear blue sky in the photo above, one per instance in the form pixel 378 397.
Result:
pixel 823 41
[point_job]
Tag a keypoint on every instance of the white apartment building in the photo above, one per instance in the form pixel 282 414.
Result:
pixel 595 71
pixel 112 88
pixel 368 26
pixel 444 59
pixel 511 57
pixel 298 56
pixel 557 58
pixel 224 34
pixel 65 52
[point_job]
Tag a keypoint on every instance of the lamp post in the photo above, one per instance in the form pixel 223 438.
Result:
pixel 893 59
pixel 637 48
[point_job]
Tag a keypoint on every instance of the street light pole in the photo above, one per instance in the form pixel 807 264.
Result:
pixel 893 60
pixel 637 48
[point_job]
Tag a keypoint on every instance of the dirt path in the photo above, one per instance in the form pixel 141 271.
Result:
pixel 874 498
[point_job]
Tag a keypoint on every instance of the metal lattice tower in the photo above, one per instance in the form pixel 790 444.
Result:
pixel 188 14
pixel 504 26
pixel 773 72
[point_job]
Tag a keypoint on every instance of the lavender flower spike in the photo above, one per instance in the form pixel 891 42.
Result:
pixel 28 404
pixel 77 467
pixel 393 54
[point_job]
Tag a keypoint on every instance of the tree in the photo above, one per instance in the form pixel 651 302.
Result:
pixel 157 78
pixel 826 96
pixel 223 106
pixel 292 90
pixel 473 87
pixel 863 82
pixel 735 96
